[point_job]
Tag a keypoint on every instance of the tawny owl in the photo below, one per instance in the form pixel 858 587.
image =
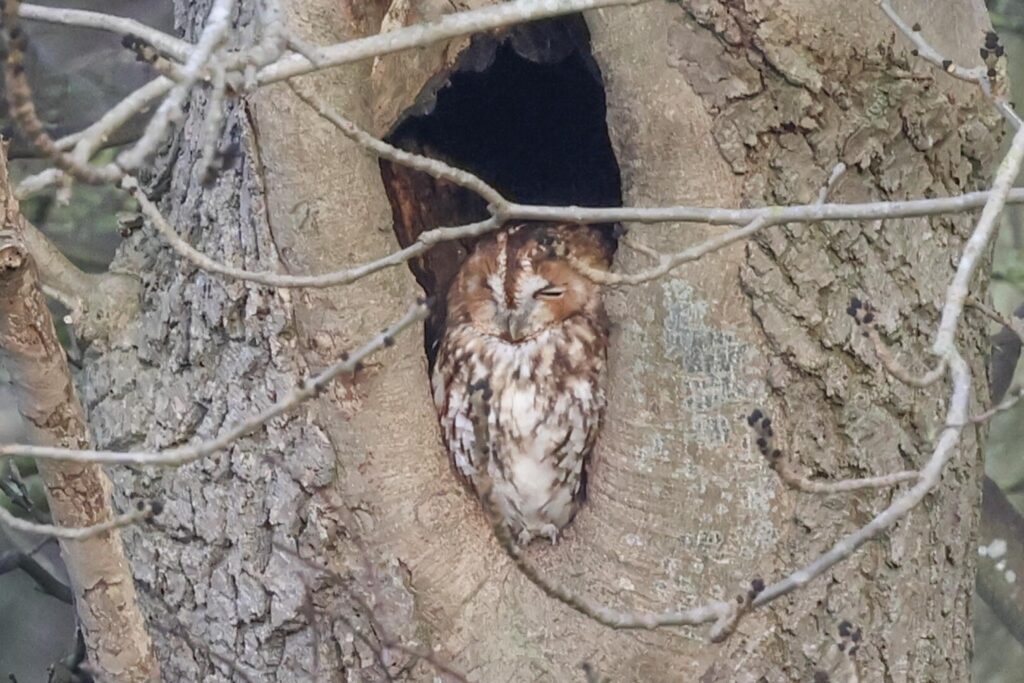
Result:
pixel 520 317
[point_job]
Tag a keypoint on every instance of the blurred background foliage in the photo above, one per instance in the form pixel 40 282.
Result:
pixel 78 74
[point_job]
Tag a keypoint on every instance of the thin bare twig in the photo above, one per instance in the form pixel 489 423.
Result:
pixel 417 162
pixel 723 615
pixel 983 76
pixel 218 21
pixel 171 457
pixel 957 415
pixel 801 483
pixel 273 279
pixel 217 24
pixel 199 56
pixel 765 441
pixel 973 251
pixel 1012 323
pixel 669 262
pixel 930 475
pixel 145 511
pixel 803 213
pixel 755 219
pixel 87 141
pixel 37 182
pixel 23 110
pixel 420 35
pixel 864 315
pixel 1013 397
pixel 838 171
pixel 451 26
pixel 164 42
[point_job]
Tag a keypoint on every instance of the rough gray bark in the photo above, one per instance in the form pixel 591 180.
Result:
pixel 719 103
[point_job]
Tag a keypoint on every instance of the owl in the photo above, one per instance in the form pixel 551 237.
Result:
pixel 520 318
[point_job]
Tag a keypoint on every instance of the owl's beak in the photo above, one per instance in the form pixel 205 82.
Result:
pixel 514 324
pixel 517 324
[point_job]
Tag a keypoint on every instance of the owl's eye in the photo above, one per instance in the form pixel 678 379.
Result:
pixel 549 293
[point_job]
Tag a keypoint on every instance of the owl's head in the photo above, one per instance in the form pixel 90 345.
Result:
pixel 518 283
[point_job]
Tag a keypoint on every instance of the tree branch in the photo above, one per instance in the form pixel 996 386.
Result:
pixel 87 141
pixel 973 251
pixel 100 304
pixel 752 221
pixel 420 35
pixel 165 43
pixel 864 314
pixel 723 615
pixel 22 108
pixel 930 475
pixel 347 364
pixel 433 167
pixel 993 83
pixel 79 493
pixel 776 458
pixel 217 24
pixel 960 378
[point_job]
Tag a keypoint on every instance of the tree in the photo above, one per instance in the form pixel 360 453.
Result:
pixel 708 103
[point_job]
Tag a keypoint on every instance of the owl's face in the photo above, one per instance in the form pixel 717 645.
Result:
pixel 515 285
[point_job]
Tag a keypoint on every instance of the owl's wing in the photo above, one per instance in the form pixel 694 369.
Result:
pixel 579 494
pixel 451 382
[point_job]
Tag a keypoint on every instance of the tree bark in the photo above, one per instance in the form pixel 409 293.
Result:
pixel 716 103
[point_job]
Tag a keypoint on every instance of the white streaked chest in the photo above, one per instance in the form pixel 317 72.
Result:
pixel 544 410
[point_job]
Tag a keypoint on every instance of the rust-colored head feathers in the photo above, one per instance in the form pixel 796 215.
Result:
pixel 519 282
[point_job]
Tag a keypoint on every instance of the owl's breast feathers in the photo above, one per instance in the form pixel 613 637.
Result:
pixel 545 409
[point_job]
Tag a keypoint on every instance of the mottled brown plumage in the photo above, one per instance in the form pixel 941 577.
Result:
pixel 522 319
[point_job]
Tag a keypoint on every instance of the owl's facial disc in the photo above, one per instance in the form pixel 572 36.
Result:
pixel 515 288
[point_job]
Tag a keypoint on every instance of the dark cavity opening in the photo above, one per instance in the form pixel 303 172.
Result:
pixel 524 110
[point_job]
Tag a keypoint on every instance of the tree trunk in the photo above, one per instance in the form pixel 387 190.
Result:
pixel 713 103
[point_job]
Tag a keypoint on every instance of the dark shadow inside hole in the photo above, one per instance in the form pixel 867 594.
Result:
pixel 525 111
